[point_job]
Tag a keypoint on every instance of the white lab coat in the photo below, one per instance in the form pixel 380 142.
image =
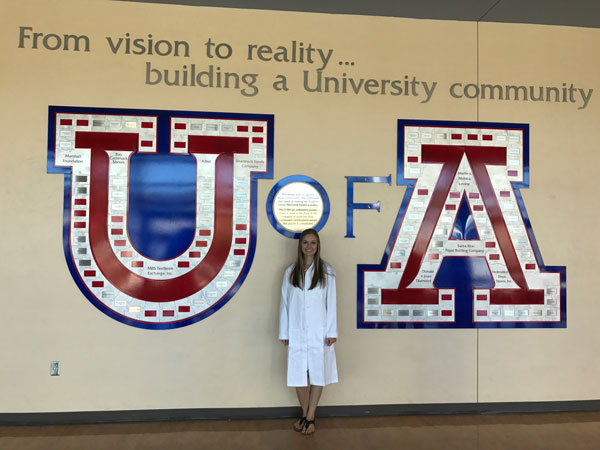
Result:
pixel 306 318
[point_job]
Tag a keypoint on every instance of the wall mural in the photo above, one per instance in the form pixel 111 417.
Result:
pixel 159 207
pixel 160 219
pixel 462 253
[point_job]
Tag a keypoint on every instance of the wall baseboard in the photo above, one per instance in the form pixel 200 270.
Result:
pixel 165 415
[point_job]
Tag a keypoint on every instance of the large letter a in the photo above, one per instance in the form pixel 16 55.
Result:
pixel 462 252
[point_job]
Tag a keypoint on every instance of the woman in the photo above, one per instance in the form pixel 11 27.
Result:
pixel 308 326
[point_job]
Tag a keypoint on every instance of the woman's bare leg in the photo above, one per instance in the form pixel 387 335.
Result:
pixel 303 394
pixel 313 402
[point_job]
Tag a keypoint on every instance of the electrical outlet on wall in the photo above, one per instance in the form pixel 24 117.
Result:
pixel 54 368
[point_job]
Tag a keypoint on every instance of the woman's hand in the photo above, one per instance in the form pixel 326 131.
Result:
pixel 285 342
pixel 330 341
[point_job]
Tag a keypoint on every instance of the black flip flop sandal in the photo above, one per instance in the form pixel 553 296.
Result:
pixel 301 423
pixel 308 423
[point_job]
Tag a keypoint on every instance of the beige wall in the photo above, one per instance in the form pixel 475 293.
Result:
pixel 232 358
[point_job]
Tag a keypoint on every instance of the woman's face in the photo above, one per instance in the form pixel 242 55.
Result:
pixel 309 245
